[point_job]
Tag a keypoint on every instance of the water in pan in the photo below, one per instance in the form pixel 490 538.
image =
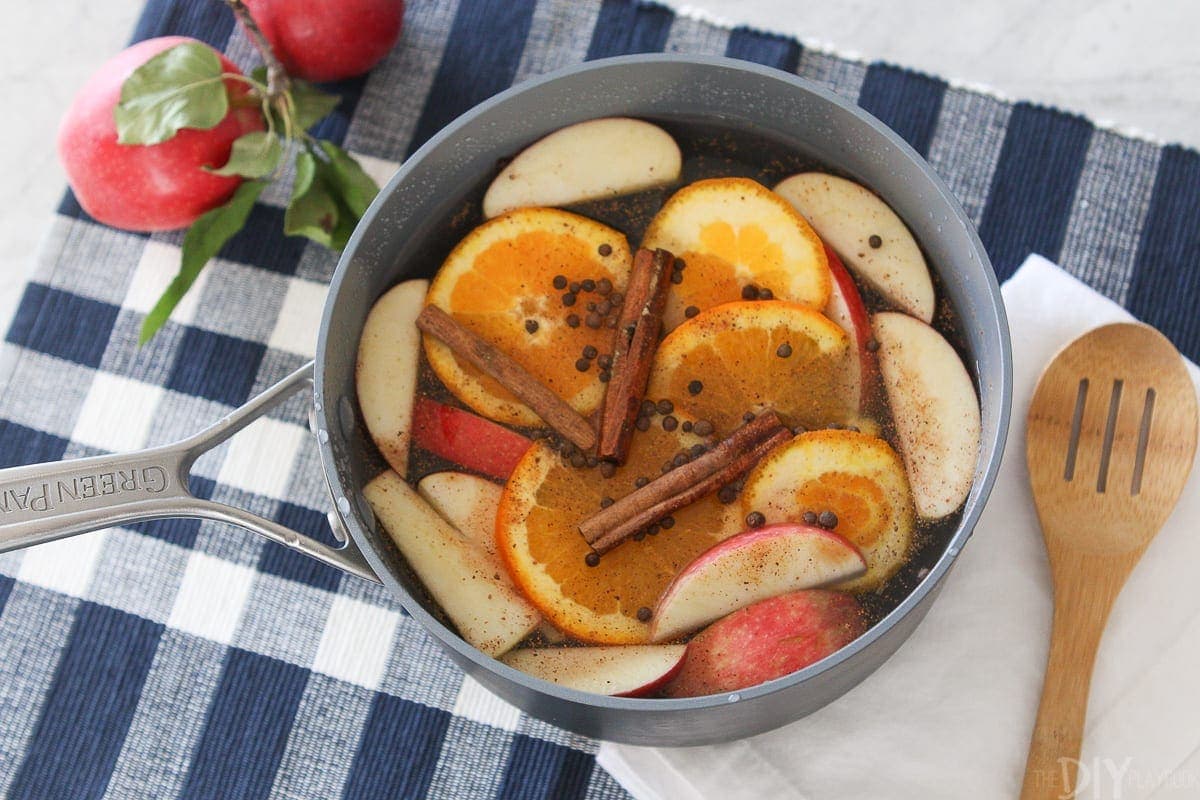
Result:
pixel 708 151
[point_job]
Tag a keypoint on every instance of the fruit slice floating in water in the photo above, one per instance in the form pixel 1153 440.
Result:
pixel 544 501
pixel 630 671
pixel 874 243
pixel 586 161
pixel 499 282
pixel 386 370
pixel 857 477
pixel 732 233
pixel 754 565
pixel 466 439
pixel 750 356
pixel 846 308
pixel 935 408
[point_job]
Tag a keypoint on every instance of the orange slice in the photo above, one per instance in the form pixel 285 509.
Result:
pixel 536 534
pixel 732 233
pixel 499 283
pixel 753 355
pixel 856 476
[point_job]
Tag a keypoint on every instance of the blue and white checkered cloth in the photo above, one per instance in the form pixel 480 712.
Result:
pixel 187 659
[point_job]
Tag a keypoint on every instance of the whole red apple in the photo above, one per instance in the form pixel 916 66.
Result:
pixel 328 40
pixel 146 187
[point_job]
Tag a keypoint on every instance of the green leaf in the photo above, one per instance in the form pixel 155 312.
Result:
pixel 313 211
pixel 254 155
pixel 203 240
pixel 311 104
pixel 356 187
pixel 179 88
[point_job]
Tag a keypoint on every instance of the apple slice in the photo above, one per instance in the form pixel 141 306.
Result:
pixel 850 219
pixel 767 640
pixel 846 308
pixel 586 161
pixel 386 373
pixel 751 566
pixel 468 502
pixel 467 439
pixel 488 612
pixel 624 671
pixel 935 410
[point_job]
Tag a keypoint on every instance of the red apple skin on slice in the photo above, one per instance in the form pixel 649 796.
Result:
pixel 767 640
pixel 467 439
pixel 935 410
pixel 622 671
pixel 751 566
pixel 847 309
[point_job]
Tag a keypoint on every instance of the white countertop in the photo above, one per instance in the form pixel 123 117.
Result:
pixel 1131 64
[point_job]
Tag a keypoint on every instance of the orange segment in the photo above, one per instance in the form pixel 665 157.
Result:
pixel 536 534
pixel 734 351
pixel 500 278
pixel 732 232
pixel 856 476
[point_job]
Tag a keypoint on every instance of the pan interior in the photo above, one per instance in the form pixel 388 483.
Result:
pixel 427 207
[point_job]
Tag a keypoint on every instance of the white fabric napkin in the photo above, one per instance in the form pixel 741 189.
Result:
pixel 950 715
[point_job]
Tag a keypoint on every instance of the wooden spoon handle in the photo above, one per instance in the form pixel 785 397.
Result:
pixel 1079 616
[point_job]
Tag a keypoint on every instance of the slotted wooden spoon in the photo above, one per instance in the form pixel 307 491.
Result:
pixel 1109 439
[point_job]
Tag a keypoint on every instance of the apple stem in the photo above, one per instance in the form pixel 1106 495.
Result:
pixel 277 78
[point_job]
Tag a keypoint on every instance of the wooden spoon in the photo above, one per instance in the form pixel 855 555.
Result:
pixel 1109 440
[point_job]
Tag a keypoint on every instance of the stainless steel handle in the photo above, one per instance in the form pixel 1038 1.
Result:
pixel 43 502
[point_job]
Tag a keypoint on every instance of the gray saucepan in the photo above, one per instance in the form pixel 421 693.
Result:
pixel 406 224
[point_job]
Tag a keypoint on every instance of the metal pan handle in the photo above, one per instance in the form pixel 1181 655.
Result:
pixel 43 502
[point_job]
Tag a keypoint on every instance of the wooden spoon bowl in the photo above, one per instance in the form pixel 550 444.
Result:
pixel 1110 439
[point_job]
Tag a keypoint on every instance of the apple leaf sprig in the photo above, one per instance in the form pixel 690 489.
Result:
pixel 185 87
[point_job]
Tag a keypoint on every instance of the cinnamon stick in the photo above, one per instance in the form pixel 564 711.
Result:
pixel 684 485
pixel 633 352
pixel 553 410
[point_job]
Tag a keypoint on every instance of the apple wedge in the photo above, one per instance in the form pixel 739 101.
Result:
pixel 767 640
pixel 624 671
pixel 386 372
pixel 586 161
pixel 846 308
pixel 753 565
pixel 468 502
pixel 935 410
pixel 874 243
pixel 488 612
pixel 467 439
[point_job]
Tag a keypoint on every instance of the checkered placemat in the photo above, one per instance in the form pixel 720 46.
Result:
pixel 184 658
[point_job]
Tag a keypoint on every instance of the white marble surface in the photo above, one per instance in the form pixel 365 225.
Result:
pixel 1134 64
